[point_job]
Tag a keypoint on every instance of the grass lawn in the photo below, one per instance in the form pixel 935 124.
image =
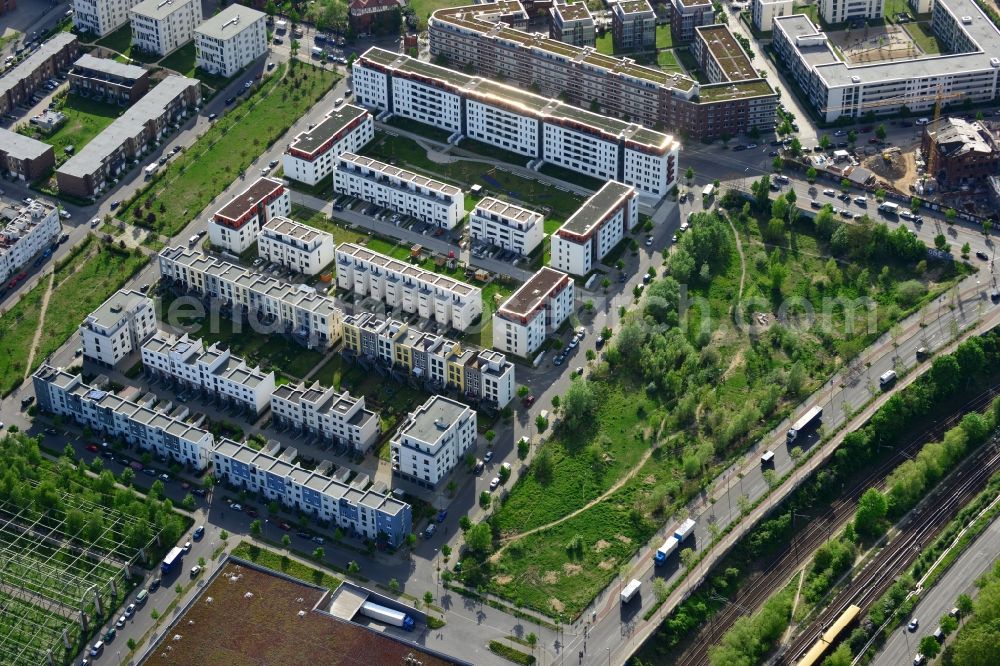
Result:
pixel 573 177
pixel 923 37
pixel 429 131
pixel 893 7
pixel 664 39
pixel 85 119
pixel 605 44
pixel 17 329
pixel 319 220
pixel 690 65
pixel 668 62
pixel 424 8
pixel 183 60
pixel 812 11
pixel 194 180
pixel 405 152
pixel 271 560
pixel 493 152
pixel 121 41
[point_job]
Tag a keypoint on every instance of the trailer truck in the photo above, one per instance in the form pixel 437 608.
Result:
pixel 682 532
pixel 630 590
pixel 387 615
pixel 807 420
pixel 889 208
pixel 172 559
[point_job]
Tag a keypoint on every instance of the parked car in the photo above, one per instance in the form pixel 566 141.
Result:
pixel 195 570
pixel 198 533
pixel 982 255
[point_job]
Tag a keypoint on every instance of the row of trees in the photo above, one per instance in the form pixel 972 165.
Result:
pixel 977 641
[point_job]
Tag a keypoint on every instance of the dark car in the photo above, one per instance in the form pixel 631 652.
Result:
pixel 154 585
pixel 982 255
pixel 230 100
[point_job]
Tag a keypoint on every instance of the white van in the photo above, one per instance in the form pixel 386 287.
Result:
pixel 886 379
pixel 630 590
pixel 767 459
pixel 193 240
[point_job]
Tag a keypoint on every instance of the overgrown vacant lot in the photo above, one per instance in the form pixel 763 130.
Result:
pixel 696 388
pixel 195 179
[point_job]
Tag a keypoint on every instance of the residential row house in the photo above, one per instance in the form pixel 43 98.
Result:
pixel 334 416
pixel 107 80
pixel 296 246
pixel 20 82
pixel 23 157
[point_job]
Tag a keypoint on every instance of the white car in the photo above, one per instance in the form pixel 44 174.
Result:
pixel 494 483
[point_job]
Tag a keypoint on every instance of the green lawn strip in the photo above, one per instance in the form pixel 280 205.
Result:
pixel 429 131
pixel 893 7
pixel 664 38
pixel 271 560
pixel 192 181
pixel 85 119
pixel 562 173
pixel 923 37
pixel 323 189
pixel 183 62
pixel 17 329
pixel 668 62
pixel 320 220
pixel 511 654
pixel 606 44
pixel 121 41
pixel 424 8
pixel 493 152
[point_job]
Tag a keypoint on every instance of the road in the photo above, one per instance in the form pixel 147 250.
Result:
pixel 978 557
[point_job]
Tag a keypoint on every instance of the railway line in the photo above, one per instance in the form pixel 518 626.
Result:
pixel 816 530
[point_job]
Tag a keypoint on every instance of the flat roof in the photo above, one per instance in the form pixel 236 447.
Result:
pixel 429 422
pixel 335 121
pixel 633 6
pixel 113 310
pixel 714 92
pixel 109 66
pixel 507 210
pixel 362 253
pixel 402 174
pixel 595 209
pixel 296 230
pixel 249 198
pixel 232 20
pixel 12 77
pixel 152 105
pixel 727 52
pixel 532 293
pixel 21 147
pixel 160 9
pixel 576 11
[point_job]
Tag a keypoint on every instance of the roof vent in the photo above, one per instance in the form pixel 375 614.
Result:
pixel 856 79
pixel 440 424
pixel 116 308
pixel 994 62
pixel 966 20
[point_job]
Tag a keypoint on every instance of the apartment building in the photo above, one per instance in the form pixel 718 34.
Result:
pixel 272 306
pixel 966 71
pixel 594 229
pixel 236 225
pixel 312 155
pixel 357 509
pixel 362 15
pixel 295 245
pixel 572 23
pixel 763 12
pixel 213 370
pixel 117 328
pixel 544 129
pixel 959 151
pixel 107 80
pixel 101 17
pixel 535 310
pixel 720 56
pixel 506 226
pixel 24 158
pixel 162 26
pixel 230 40
pixel 20 82
pixel 633 25
pixel 27 230
pixel 139 423
pixel 686 15
pixel 490 40
pixel 841 11
pixel 403 191
pixel 108 154
pixel 331 415
pixel 482 376
pixel 433 440
pixel 408 288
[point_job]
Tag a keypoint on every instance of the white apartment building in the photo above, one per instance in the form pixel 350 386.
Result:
pixel 118 327
pixel 594 229
pixel 101 16
pixel 59 392
pixel 545 129
pixel 763 12
pixel 312 155
pixel 213 370
pixel 32 229
pixel 403 191
pixel 295 245
pixel 841 11
pixel 968 68
pixel 272 306
pixel 162 26
pixel 434 438
pixel 572 23
pixel 356 508
pixel 407 287
pixel 538 308
pixel 230 40
pixel 333 416
pixel 507 226
pixel 481 375
pixel 236 225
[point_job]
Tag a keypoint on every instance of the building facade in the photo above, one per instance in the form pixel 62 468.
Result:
pixel 19 83
pixel 230 40
pixel 633 25
pixel 312 155
pixel 522 122
pixel 32 229
pixel 295 245
pixel 481 376
pixel 107 155
pixel 958 151
pixel 236 225
pixel 333 416
pixel 108 80
pixel 272 306
pixel 433 440
pixel 686 15
pixel 101 17
pixel 362 15
pixel 403 191
pixel 409 288
pixel 841 11
pixel 535 310
pixel 117 328
pixel 507 226
pixel 594 229
pixel 572 23
pixel 162 26
pixel 24 158
pixel 212 370
pixel 763 12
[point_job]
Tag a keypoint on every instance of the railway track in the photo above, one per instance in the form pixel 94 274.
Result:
pixel 815 531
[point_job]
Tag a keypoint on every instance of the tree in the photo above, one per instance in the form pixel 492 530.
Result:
pixel 839 657
pixel 811 174
pixel 429 598
pixel 661 589
pixel 523 446
pixel 948 624
pixel 490 436
pixel 950 215
pixel 541 423
pixel 824 141
pixel 223 534
pixel 880 132
pixel 880 194
pixel 543 466
pixel 964 604
pixel 579 406
pixel 966 249
pixel 286 540
pixel 777 164
pixel 479 538
pixel 523 391
pixel 127 476
pixel 485 499
pixel 795 147
pixel 531 639
pixel 353 568
pixel 941 243
pixel 394 586
pixel 256 528
pixel 188 502
pixel 929 647
pixel 605 283
pixel 446 551
pixel 852 137
pixel 872 509
pixel 689 174
pixel 915 204
pixel 845 184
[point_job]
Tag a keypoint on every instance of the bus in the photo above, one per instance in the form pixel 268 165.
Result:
pixel 172 559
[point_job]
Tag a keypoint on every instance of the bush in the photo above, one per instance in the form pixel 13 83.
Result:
pixel 509 653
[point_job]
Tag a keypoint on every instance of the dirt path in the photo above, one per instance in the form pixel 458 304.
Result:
pixel 743 259
pixel 41 325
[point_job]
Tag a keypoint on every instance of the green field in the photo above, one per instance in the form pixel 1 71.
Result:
pixel 320 220
pixel 17 329
pixel 85 119
pixel 668 63
pixel 424 8
pixel 664 38
pixel 605 44
pixel 922 36
pixel 121 41
pixel 194 180
pixel 183 60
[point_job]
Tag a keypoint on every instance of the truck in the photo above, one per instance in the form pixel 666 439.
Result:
pixel 151 169
pixel 708 191
pixel 685 530
pixel 889 208
pixel 673 541
pixel 172 559
pixel 810 418
pixel 630 590
pixel 387 615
